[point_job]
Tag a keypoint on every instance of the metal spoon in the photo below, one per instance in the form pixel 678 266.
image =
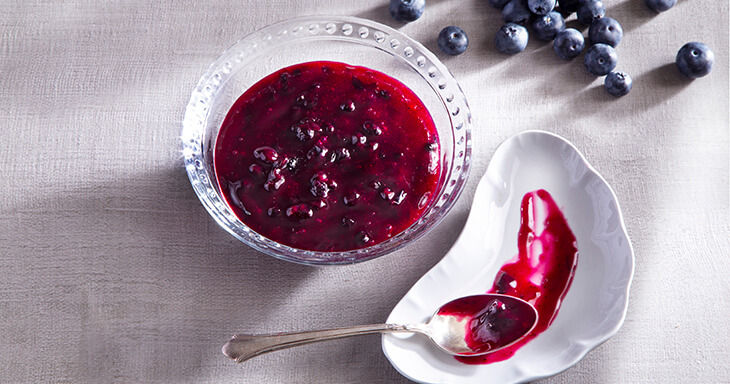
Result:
pixel 467 326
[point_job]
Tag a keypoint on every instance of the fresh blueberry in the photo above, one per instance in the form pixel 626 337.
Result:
pixel 569 6
pixel 540 7
pixel 590 11
pixel 499 4
pixel 600 59
pixel 618 84
pixel 516 11
pixel 407 10
pixel 453 40
pixel 695 60
pixel 511 38
pixel 547 27
pixel 569 43
pixel 607 31
pixel 660 5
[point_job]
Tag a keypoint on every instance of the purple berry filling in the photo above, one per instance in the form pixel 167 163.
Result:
pixel 325 156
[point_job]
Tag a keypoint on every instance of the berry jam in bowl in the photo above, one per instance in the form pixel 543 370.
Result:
pixel 327 140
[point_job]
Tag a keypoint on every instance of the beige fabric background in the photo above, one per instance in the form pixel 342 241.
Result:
pixel 112 272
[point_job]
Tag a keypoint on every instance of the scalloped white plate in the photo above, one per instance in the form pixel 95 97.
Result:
pixel 594 307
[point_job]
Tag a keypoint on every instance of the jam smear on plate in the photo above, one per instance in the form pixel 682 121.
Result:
pixel 542 271
pixel 326 156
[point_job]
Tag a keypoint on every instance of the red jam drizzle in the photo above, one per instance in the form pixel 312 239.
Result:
pixel 542 271
pixel 325 156
pixel 491 322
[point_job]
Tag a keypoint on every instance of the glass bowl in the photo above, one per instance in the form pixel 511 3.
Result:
pixel 349 40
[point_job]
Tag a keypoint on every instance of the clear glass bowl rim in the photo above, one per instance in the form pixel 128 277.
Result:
pixel 435 73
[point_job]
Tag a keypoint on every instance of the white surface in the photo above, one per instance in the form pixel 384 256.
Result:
pixel 112 271
pixel 592 310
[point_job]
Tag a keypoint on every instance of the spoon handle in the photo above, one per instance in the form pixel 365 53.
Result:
pixel 245 346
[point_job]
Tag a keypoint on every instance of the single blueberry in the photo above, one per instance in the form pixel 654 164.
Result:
pixel 266 154
pixel 607 31
pixel 618 84
pixel 695 60
pixel 547 27
pixel 300 211
pixel 351 198
pixel 407 10
pixel 569 43
pixel 275 180
pixel 567 7
pixel 540 7
pixel 319 188
pixel 499 4
pixel 590 11
pixel 516 11
pixel 511 38
pixel 453 40
pixel 600 59
pixel 660 5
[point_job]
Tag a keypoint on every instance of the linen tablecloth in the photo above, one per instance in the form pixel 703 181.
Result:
pixel 111 271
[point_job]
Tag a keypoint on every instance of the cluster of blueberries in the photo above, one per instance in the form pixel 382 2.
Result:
pixel 604 34
pixel 547 18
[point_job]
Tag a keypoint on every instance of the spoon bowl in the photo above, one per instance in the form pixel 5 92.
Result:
pixel 467 326
pixel 481 324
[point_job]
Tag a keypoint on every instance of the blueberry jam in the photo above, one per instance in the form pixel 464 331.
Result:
pixel 541 272
pixel 490 322
pixel 325 156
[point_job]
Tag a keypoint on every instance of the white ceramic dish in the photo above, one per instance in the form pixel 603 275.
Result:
pixel 594 307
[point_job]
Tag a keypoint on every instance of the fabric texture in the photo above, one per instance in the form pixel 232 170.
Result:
pixel 111 271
